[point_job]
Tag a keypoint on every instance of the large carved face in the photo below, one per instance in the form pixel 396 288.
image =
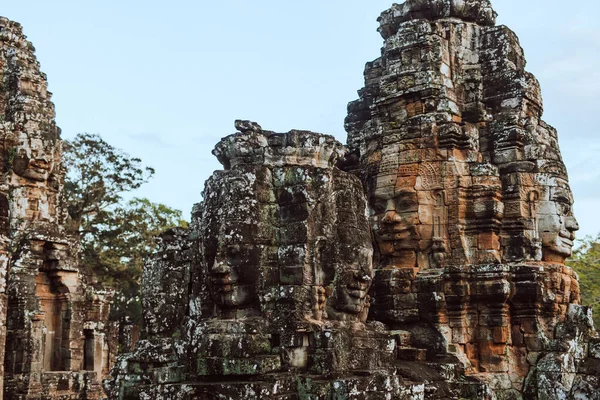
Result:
pixel 233 275
pixel 394 218
pixel 556 223
pixel 352 283
pixel 35 160
pixel 232 257
pixel 353 255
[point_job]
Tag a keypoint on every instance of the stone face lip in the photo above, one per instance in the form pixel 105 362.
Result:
pixel 478 11
pixel 255 146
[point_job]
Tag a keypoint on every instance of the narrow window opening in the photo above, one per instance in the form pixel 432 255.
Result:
pixel 88 350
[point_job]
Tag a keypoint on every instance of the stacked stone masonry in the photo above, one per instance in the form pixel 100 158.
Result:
pixel 425 260
pixel 52 318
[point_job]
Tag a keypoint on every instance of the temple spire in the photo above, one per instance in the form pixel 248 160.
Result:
pixel 478 11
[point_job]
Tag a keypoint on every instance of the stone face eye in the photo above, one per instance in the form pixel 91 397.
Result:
pixel 405 202
pixel 563 204
pixel 564 208
pixel 378 208
pixel 404 205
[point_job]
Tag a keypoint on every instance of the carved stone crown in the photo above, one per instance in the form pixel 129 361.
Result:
pixel 479 11
pixel 254 146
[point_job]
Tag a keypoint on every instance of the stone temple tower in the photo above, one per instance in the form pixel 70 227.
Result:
pixel 424 260
pixel 52 320
pixel 470 206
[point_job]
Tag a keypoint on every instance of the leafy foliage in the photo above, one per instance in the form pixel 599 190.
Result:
pixel 586 262
pixel 116 235
pixel 97 175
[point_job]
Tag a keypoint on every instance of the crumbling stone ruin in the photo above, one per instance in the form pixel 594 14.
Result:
pixel 52 319
pixel 425 260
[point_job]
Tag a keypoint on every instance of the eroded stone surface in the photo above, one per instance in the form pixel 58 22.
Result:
pixel 282 265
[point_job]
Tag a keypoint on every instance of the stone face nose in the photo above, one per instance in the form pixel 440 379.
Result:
pixel 391 217
pixel 363 276
pixel 571 224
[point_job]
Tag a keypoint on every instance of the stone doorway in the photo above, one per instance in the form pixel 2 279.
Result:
pixel 54 306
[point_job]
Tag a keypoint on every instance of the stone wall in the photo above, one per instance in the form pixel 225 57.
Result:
pixel 53 320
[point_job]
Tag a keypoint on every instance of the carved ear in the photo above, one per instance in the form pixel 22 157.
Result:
pixel 534 196
pixel 324 267
pixel 533 199
pixel 440 196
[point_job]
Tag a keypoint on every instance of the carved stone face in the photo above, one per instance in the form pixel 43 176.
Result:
pixel 353 281
pixel 233 275
pixel 35 162
pixel 353 255
pixel 232 257
pixel 556 223
pixel 394 219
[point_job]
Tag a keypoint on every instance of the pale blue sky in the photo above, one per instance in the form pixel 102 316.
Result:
pixel 165 80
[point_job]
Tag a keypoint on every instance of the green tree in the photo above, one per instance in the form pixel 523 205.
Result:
pixel 97 176
pixel 586 262
pixel 116 235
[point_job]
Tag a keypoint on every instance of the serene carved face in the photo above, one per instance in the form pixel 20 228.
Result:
pixel 351 254
pixel 556 223
pixel 394 219
pixel 353 280
pixel 35 162
pixel 232 257
pixel 233 275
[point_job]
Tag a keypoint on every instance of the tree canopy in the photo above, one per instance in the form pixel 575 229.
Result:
pixel 116 235
pixel 97 176
pixel 586 262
